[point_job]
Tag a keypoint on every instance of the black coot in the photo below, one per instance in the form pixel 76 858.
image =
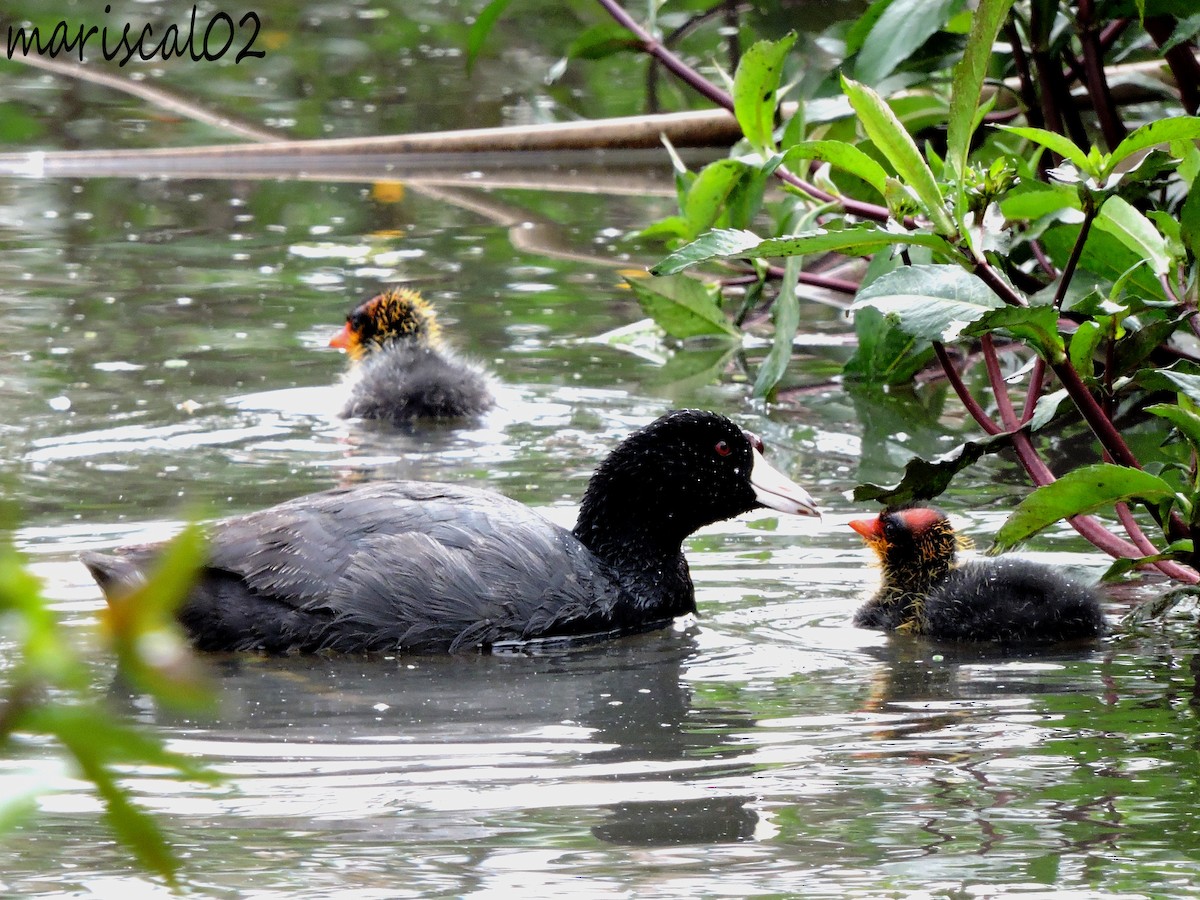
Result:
pixel 400 370
pixel 1006 599
pixel 436 567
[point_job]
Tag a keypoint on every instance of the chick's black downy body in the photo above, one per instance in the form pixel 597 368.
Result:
pixel 434 567
pixel 1007 600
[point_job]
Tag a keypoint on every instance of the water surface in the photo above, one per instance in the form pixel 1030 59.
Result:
pixel 162 356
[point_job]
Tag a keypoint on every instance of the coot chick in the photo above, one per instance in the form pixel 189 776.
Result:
pixel 1007 600
pixel 400 369
pixel 435 567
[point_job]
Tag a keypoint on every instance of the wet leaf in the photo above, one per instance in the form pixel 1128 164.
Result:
pixel 1129 226
pixel 1034 199
pixel 890 137
pixel 1187 421
pixel 968 78
pixel 1057 143
pixel 1084 490
pixel 1163 131
pixel 683 306
pixel 1035 325
pixel 1084 342
pixel 754 88
pixel 710 192
pixel 843 156
pixel 885 354
pixel 925 479
pixel 933 303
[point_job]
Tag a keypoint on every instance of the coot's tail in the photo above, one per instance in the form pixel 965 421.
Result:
pixel 114 574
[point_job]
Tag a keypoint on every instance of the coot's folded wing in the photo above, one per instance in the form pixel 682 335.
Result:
pixel 394 565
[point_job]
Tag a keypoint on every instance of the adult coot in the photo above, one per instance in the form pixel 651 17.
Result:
pixel 400 370
pixel 436 567
pixel 1005 599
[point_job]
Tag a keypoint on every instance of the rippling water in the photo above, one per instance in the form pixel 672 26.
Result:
pixel 162 355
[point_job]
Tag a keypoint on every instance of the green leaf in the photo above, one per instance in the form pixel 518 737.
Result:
pixel 861 27
pixel 902 28
pixel 1186 128
pixel 1189 219
pixel 844 156
pixel 1081 491
pixel 1084 342
pixel 708 194
pixel 890 138
pixel 884 354
pixel 925 479
pixel 1063 146
pixel 786 315
pixel 1124 222
pixel 1036 325
pixel 682 306
pixel 933 303
pixel 860 240
pixel 968 79
pixel 1185 420
pixel 152 652
pixel 1185 383
pixel 1047 406
pixel 754 86
pixel 481 28
pixel 1105 259
pixel 1125 565
pixel 1034 199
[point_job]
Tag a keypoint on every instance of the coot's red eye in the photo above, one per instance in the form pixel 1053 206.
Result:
pixel 723 449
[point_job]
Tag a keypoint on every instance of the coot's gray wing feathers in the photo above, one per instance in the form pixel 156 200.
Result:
pixel 396 565
pixel 451 594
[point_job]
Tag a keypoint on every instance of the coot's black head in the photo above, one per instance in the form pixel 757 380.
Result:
pixel 395 315
pixel 687 469
pixel 915 544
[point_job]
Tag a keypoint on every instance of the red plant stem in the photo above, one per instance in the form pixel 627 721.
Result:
pixel 1008 415
pixel 1033 112
pixel 1043 261
pixel 1068 272
pixel 1135 532
pixel 670 61
pixel 1113 128
pixel 1036 380
pixel 1181 59
pixel 964 395
pixel 829 282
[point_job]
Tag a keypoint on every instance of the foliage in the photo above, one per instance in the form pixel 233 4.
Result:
pixel 1004 236
pixel 48 692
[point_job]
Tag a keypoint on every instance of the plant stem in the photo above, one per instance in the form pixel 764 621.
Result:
pixel 1093 69
pixel 964 394
pixel 1036 381
pixel 670 61
pixel 1068 272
